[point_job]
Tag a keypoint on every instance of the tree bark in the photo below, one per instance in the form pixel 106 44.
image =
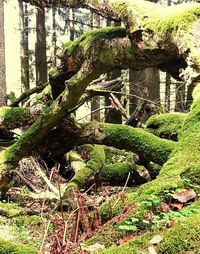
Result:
pixel 95 102
pixel 40 47
pixel 2 57
pixel 112 115
pixel 24 51
pixel 143 84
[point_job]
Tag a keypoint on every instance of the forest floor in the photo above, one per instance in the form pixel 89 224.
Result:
pixel 30 214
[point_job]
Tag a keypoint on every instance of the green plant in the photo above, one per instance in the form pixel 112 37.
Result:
pixel 130 225
pixel 151 202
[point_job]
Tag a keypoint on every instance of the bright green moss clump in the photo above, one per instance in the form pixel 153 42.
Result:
pixel 54 72
pixel 139 141
pixel 95 162
pixel 13 115
pixel 165 125
pixel 10 209
pixel 7 247
pixel 85 40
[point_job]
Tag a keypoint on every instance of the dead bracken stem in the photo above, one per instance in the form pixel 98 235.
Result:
pixel 44 237
pixel 122 190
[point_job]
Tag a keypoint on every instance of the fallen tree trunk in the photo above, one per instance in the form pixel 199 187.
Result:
pixel 139 141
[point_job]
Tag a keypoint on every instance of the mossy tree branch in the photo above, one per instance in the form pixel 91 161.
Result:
pixel 27 93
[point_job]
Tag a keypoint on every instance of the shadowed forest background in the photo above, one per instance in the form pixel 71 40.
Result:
pixel 99 126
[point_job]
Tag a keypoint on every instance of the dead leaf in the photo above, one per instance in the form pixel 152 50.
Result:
pixel 156 239
pixel 152 250
pixel 177 206
pixel 185 196
pixel 164 207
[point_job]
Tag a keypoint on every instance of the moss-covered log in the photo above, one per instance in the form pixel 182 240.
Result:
pixel 120 173
pixel 139 141
pixel 166 125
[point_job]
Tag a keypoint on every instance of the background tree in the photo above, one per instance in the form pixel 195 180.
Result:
pixel 112 115
pixel 2 57
pixel 24 49
pixel 95 102
pixel 40 47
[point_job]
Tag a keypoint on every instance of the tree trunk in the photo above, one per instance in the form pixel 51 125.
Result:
pixel 24 51
pixel 40 48
pixel 2 57
pixel 144 86
pixel 54 37
pixel 189 96
pixel 95 102
pixel 180 97
pixel 112 115
pixel 167 92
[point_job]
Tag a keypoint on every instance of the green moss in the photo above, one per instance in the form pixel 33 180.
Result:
pixel 185 158
pixel 54 72
pixel 45 95
pixel 13 115
pixel 28 221
pixel 183 237
pixel 165 125
pixel 159 19
pixel 117 173
pixel 10 209
pixel 118 170
pixel 7 247
pixel 179 17
pixel 95 162
pixel 85 40
pixel 139 141
pixel 107 237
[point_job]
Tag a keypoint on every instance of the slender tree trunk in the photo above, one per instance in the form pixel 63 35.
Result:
pixel 72 27
pixel 145 86
pixel 189 98
pixel 95 102
pixel 54 36
pixel 112 115
pixel 24 53
pixel 167 91
pixel 180 97
pixel 2 57
pixel 40 50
